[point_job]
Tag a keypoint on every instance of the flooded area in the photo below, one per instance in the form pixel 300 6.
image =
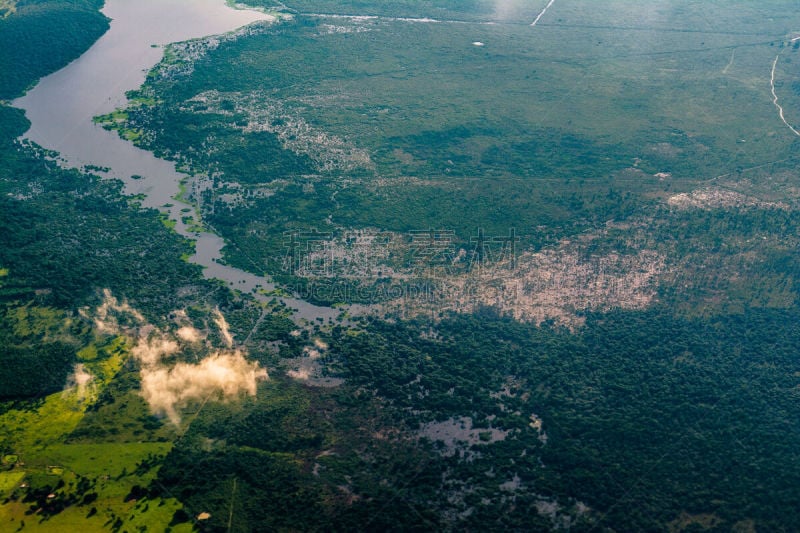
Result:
pixel 61 108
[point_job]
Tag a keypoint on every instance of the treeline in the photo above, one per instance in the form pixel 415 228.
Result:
pixel 73 234
pixel 32 371
pixel 42 36
pixel 296 459
pixel 642 410
pixel 65 234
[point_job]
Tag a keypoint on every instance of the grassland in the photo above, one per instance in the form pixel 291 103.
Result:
pixel 59 486
pixel 513 11
pixel 53 481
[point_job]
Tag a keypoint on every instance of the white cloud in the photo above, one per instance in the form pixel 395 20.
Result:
pixel 188 334
pixel 222 376
pixel 224 329
pixel 150 351
pixel 80 379
pixel 105 319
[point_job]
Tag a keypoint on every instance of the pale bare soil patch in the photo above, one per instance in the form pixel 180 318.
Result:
pixel 718 198
pixel 557 284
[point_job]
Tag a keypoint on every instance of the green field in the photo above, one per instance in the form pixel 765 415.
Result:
pixel 90 483
pixel 50 482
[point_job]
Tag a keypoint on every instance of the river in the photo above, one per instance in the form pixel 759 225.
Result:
pixel 61 107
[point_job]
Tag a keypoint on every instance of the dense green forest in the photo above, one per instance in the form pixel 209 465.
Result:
pixel 42 36
pixel 73 234
pixel 66 234
pixel 643 398
pixel 649 420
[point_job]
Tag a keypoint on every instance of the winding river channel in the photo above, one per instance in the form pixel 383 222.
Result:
pixel 61 107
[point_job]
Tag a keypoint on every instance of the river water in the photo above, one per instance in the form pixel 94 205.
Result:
pixel 61 107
